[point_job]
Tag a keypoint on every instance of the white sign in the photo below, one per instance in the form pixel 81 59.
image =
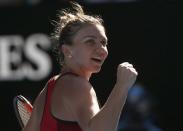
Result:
pixel 20 59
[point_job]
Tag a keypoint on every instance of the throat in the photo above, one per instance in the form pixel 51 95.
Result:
pixel 78 71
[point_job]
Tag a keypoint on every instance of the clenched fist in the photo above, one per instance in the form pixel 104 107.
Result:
pixel 126 75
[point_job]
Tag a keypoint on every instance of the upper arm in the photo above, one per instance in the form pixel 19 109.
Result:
pixel 36 115
pixel 82 101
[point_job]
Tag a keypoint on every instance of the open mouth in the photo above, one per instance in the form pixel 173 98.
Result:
pixel 97 60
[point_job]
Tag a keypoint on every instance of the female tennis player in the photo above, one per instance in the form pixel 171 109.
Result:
pixel 68 102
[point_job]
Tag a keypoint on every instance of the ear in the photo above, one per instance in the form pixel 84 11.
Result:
pixel 66 50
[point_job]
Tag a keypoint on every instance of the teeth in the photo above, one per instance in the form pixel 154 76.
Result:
pixel 97 59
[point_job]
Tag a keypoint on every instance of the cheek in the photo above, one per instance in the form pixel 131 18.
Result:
pixel 106 52
pixel 81 55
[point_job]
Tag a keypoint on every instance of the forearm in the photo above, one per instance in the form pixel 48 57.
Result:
pixel 107 118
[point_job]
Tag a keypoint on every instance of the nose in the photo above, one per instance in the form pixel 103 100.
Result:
pixel 102 51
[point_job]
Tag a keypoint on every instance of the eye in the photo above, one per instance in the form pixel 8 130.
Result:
pixel 90 42
pixel 104 42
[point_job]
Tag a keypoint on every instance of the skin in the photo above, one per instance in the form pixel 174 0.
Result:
pixel 84 57
pixel 89 43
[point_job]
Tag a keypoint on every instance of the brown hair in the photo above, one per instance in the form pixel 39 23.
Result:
pixel 70 22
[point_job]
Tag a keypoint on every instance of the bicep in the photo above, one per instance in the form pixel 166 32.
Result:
pixel 85 112
pixel 84 105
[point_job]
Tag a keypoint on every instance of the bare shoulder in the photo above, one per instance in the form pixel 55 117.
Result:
pixel 77 96
pixel 72 86
pixel 68 95
pixel 80 94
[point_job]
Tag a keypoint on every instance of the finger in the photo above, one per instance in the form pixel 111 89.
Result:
pixel 127 64
pixel 134 71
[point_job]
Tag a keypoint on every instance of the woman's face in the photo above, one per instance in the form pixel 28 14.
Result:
pixel 89 48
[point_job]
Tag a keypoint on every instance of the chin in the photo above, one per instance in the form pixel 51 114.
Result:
pixel 96 70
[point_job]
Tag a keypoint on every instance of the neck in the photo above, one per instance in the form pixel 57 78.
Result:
pixel 81 73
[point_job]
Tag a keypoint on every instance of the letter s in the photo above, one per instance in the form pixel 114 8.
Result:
pixel 38 56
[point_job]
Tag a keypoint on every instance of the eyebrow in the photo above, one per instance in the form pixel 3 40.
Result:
pixel 91 36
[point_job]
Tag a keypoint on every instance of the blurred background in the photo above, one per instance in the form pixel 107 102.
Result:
pixel 143 32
